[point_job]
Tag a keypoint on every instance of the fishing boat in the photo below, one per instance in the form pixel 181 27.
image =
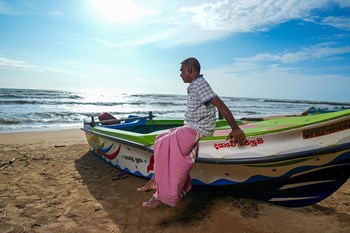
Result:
pixel 313 110
pixel 289 161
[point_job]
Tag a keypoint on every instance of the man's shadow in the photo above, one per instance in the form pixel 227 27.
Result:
pixel 116 192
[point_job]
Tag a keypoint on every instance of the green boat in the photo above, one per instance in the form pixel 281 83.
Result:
pixel 289 161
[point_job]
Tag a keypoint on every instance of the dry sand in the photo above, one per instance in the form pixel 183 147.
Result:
pixel 56 185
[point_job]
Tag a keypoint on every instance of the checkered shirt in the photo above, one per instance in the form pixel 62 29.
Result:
pixel 200 113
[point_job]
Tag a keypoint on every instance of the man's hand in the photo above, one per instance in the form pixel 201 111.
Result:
pixel 237 135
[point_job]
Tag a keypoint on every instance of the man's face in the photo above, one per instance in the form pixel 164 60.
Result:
pixel 185 74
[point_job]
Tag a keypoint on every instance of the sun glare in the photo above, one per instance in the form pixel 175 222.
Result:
pixel 119 11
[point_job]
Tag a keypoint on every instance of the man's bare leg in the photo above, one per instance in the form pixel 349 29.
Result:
pixel 150 185
pixel 151 203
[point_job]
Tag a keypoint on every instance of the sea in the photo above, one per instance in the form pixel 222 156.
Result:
pixel 28 109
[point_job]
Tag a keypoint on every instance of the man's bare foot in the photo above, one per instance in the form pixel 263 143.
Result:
pixel 151 203
pixel 150 185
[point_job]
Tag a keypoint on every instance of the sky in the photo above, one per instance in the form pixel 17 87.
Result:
pixel 279 49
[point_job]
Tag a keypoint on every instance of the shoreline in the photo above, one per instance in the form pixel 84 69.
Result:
pixel 39 129
pixel 69 135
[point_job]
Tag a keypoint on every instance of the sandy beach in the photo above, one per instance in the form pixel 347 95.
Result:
pixel 50 182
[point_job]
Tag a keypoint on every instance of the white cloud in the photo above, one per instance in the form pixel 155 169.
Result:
pixel 5 10
pixel 55 13
pixel 342 3
pixel 247 16
pixel 337 22
pixel 319 51
pixel 148 39
pixel 12 64
pixel 261 57
pixel 17 65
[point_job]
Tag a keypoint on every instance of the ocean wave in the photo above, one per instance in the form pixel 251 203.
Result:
pixel 37 94
pixel 309 102
pixel 10 121
pixel 55 102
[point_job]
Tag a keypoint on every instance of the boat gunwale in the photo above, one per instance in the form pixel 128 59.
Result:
pixel 255 160
pixel 124 141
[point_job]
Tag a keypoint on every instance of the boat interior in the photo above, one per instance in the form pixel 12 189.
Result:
pixel 144 126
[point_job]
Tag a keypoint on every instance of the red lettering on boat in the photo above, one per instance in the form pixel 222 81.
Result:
pixel 251 142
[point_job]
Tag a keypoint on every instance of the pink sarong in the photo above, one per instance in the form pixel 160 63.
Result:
pixel 174 154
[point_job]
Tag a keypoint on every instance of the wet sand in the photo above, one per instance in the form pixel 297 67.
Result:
pixel 56 185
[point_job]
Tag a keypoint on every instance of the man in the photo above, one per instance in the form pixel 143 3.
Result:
pixel 174 151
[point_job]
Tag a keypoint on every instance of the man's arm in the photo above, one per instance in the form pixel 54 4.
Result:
pixel 237 134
